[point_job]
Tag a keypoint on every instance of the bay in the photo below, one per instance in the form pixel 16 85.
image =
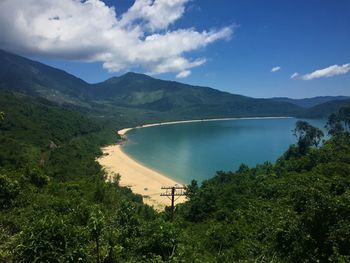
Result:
pixel 187 151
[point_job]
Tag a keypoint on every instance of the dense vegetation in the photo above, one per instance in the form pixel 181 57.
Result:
pixel 53 198
pixel 56 207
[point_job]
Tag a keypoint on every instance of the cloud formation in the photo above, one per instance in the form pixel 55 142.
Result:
pixel 294 75
pixel 91 31
pixel 275 69
pixel 183 74
pixel 327 72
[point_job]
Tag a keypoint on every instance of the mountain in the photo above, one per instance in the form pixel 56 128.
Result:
pixel 33 78
pixel 144 92
pixel 325 109
pixel 139 97
pixel 311 102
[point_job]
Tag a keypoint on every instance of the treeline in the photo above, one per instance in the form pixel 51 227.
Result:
pixel 56 207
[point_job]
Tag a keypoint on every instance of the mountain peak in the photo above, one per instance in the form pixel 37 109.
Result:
pixel 129 76
pixel 135 75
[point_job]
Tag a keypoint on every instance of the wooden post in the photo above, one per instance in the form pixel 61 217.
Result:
pixel 172 202
pixel 171 192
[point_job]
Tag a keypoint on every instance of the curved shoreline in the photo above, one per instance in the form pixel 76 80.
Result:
pixel 140 178
pixel 123 132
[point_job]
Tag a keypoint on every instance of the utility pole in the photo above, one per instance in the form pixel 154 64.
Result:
pixel 171 192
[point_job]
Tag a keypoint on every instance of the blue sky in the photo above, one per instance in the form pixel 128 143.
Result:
pixel 308 37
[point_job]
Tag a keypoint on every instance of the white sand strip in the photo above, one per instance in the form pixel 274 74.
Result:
pixel 141 179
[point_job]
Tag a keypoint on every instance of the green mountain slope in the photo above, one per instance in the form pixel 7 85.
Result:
pixel 148 96
pixel 325 109
pixel 311 102
pixel 51 186
pixel 144 92
pixel 31 125
pixel 33 78
pixel 139 98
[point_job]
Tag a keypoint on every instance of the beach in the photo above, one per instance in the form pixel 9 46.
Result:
pixel 141 179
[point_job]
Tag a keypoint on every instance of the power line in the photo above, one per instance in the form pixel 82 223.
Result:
pixel 171 192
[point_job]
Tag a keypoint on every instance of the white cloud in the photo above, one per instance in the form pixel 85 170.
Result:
pixel 275 69
pixel 328 72
pixel 294 75
pixel 183 74
pixel 91 31
pixel 154 15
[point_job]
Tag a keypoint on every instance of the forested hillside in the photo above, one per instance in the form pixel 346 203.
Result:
pixel 56 207
pixel 53 197
pixel 144 99
pixel 139 95
pixel 312 102
pixel 33 78
pixel 325 109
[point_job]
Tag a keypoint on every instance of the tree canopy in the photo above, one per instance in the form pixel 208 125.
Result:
pixel 55 205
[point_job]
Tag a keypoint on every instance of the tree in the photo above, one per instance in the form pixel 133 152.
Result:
pixel 9 189
pixel 36 176
pixel 334 125
pixel 50 238
pixel 159 238
pixel 95 225
pixel 339 123
pixel 191 189
pixel 307 136
pixel 344 114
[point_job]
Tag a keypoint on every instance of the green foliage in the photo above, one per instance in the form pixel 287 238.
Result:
pixel 56 207
pixel 96 225
pixel 159 238
pixel 9 189
pixel 307 136
pixel 344 116
pixel 192 190
pixel 36 176
pixel 339 123
pixel 51 239
pixel 54 203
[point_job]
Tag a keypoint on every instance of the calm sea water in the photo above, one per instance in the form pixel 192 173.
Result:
pixel 197 150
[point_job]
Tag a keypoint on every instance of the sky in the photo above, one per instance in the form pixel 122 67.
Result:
pixel 270 48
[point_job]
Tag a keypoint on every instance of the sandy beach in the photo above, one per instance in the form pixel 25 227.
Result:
pixel 141 179
pixel 123 131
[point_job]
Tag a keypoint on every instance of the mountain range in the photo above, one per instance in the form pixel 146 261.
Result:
pixel 141 97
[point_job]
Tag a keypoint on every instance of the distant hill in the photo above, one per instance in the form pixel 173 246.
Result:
pixel 144 92
pixel 139 97
pixel 325 109
pixel 36 79
pixel 311 102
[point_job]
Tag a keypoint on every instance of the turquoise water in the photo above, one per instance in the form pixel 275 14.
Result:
pixel 189 151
